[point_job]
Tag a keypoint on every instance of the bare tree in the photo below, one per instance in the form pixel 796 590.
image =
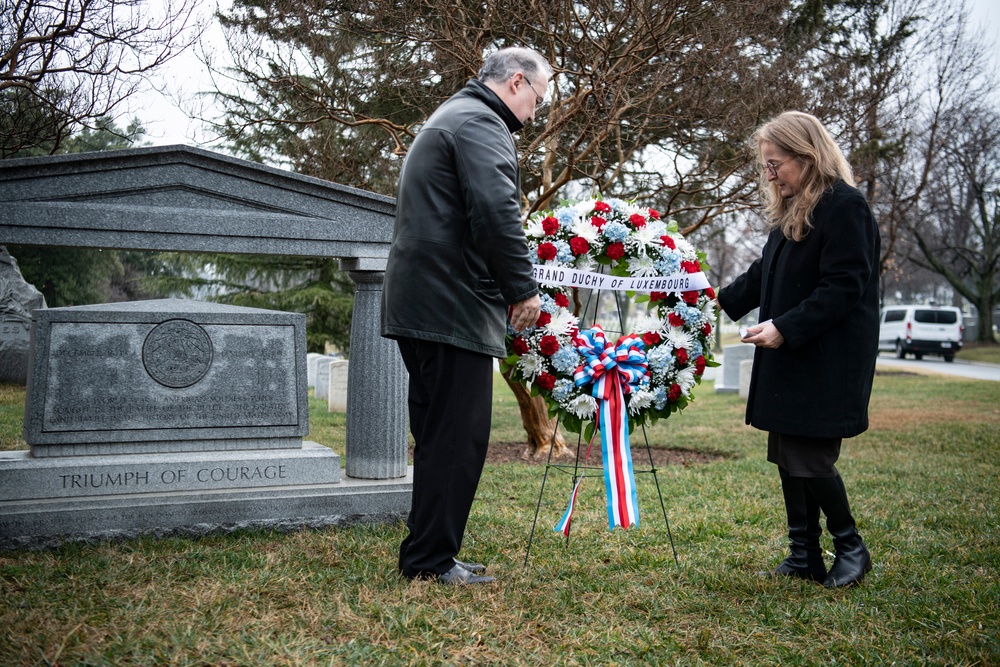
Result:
pixel 64 64
pixel 958 230
pixel 651 100
pixel 935 187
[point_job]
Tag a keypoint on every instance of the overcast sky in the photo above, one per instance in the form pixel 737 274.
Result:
pixel 183 78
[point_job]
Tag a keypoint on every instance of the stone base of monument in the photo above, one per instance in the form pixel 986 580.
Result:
pixel 45 502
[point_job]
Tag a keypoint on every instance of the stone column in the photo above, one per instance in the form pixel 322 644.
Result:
pixel 376 386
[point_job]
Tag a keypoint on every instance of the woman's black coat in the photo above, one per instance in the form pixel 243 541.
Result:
pixel 822 295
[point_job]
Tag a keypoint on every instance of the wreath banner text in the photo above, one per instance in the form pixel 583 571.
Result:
pixel 680 282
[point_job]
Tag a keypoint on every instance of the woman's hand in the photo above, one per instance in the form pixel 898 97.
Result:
pixel 764 334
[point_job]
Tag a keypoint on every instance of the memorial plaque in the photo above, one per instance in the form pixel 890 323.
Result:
pixel 166 371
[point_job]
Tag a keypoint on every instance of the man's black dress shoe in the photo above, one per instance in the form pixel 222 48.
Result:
pixel 474 568
pixel 459 576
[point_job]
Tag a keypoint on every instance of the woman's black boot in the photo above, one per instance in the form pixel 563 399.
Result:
pixel 806 559
pixel 853 561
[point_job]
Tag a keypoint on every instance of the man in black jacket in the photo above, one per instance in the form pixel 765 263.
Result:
pixel 458 266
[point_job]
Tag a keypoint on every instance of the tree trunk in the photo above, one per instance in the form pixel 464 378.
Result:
pixel 537 425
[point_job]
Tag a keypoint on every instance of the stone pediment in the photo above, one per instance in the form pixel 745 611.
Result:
pixel 184 198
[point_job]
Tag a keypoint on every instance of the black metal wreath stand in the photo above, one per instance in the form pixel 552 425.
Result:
pixel 578 469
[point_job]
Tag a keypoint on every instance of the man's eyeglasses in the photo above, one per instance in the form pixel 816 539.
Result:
pixel 539 99
pixel 772 167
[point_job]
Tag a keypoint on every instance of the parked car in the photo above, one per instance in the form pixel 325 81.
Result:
pixel 920 330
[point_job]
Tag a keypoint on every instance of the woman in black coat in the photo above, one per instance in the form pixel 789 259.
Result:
pixel 816 284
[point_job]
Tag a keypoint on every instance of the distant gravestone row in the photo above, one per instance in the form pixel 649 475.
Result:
pixel 328 378
pixel 730 379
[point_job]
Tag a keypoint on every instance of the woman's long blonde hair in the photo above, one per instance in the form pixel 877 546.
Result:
pixel 804 137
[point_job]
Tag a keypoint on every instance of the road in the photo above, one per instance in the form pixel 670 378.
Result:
pixel 968 369
pixel 887 360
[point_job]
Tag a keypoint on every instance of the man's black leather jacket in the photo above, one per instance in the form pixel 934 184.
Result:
pixel 459 257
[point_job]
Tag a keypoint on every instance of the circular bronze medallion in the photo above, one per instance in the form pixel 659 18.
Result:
pixel 177 353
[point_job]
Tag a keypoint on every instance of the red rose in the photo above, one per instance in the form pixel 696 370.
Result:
pixel 546 251
pixel 675 320
pixel 550 226
pixel 548 346
pixel 546 381
pixel 691 267
pixel 707 329
pixel 669 242
pixel 543 319
pixel 710 292
pixel 654 214
pixel 699 364
pixel 651 338
pixel 519 345
pixel 637 220
pixel 615 250
pixel 561 300
pixel 690 297
pixel 579 245
pixel 657 296
pixel 682 356
pixel 674 392
pixel 602 207
pixel 598 221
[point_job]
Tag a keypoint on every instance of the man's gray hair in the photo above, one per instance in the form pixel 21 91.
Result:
pixel 505 63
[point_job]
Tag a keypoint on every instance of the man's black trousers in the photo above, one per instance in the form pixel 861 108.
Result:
pixel 450 401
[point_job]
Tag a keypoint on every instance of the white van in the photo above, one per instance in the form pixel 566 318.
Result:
pixel 920 330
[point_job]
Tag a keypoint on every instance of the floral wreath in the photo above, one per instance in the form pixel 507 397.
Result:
pixel 617 239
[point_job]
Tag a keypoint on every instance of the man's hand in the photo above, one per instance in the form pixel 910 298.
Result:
pixel 525 313
pixel 764 334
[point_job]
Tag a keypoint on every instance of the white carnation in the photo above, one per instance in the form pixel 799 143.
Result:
pixel 640 400
pixel 646 322
pixel 583 406
pixel 679 338
pixel 642 266
pixel 530 364
pixel 686 380
pixel 686 250
pixel 534 228
pixel 561 323
pixel 649 236
pixel 587 231
pixel 586 263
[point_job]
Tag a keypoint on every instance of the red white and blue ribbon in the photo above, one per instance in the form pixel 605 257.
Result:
pixel 614 371
pixel 563 525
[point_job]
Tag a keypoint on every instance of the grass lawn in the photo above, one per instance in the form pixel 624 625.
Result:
pixel 980 352
pixel 923 483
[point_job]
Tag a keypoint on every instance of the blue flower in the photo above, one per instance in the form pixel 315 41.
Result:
pixel 563 252
pixel 696 349
pixel 668 264
pixel 690 314
pixel 566 216
pixel 615 231
pixel 566 359
pixel 617 205
pixel 660 358
pixel 549 304
pixel 563 390
pixel 660 397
